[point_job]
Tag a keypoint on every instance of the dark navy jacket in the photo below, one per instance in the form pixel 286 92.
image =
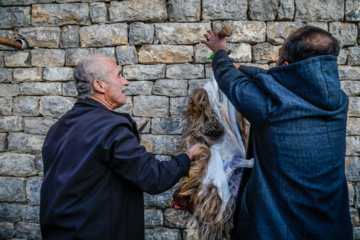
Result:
pixel 297 188
pixel 95 175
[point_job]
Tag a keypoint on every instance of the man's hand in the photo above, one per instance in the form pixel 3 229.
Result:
pixel 214 41
pixel 237 65
pixel 196 151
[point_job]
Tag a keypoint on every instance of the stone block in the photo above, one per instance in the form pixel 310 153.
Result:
pixel 73 56
pixel 232 9
pixel 351 190
pixel 15 17
pixel 31 214
pixel 151 106
pixel 43 37
pixel 173 218
pixel 17 59
pixel 69 37
pixel 127 107
pixel 314 10
pixel 25 143
pixel 107 52
pixel 141 33
pixel 353 127
pixel 54 106
pixel 140 122
pixel 322 25
pixel 202 52
pixel 258 12
pixel 10 212
pixel 163 158
pixel 2 62
pixel 166 126
pixel 351 88
pixel 153 218
pixel 126 55
pixel 152 54
pixel 184 10
pixel 9 90
pixel 245 31
pixel 345 33
pixel 6 75
pixel 170 87
pixel 356 233
pixel 352 11
pixel 11 124
pixel 33 186
pixel 38 125
pixel 104 35
pixel 39 164
pixel 208 71
pixel 181 33
pixel 162 233
pixel 47 57
pixel 26 106
pixel 277 32
pixel 28 74
pixel 60 14
pixel 3 142
pixel 286 10
pixel 196 84
pixel 5 105
pixel 349 73
pixel 18 165
pixel 177 106
pixel 139 88
pixel 265 53
pixel 7 230
pixel 352 147
pixel 342 57
pixel 98 12
pixel 161 144
pixel 354 107
pixel 69 89
pixel 28 230
pixel 354 56
pixel 352 168
pixel 240 52
pixel 58 74
pixel 185 71
pixel 354 215
pixel 144 72
pixel 23 2
pixel 162 200
pixel 12 189
pixel 133 10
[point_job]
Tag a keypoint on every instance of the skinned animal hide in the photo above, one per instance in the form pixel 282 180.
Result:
pixel 210 191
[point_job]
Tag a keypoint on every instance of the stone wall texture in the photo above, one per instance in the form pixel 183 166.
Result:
pixel 157 45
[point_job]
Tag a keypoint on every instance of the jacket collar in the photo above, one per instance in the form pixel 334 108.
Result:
pixel 91 102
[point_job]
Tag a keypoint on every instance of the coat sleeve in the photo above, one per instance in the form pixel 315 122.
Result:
pixel 131 160
pixel 250 71
pixel 251 101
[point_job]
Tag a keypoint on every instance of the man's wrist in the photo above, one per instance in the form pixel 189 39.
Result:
pixel 217 50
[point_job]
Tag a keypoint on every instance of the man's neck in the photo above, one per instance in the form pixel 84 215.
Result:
pixel 103 101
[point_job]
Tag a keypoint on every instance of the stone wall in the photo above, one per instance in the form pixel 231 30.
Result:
pixel 156 43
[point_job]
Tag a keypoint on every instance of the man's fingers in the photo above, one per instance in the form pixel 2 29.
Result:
pixel 206 35
pixel 204 42
pixel 216 32
pixel 211 33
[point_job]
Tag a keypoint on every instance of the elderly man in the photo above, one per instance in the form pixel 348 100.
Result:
pixel 297 188
pixel 95 169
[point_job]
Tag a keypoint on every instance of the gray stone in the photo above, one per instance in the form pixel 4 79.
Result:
pixel 181 33
pixel 39 164
pixel 208 71
pixel 331 10
pixel 23 2
pixel 356 233
pixel 28 74
pixel 127 108
pixel 38 125
pixel 240 52
pixel 33 186
pixel 26 106
pixel 352 10
pixel 286 10
pixel 12 189
pixel 166 126
pixel 28 230
pixel 163 158
pixel 151 106
pixel 69 89
pixel 2 55
pixel 342 57
pixel 134 10
pixel 322 25
pixel 48 57
pixel 177 106
pixel 126 55
pixel 3 142
pixel 107 52
pixel 232 9
pixel 58 74
pixel 345 33
pixel 5 105
pixel 349 73
pixel 104 35
pixel 354 214
pixel 60 14
pixel 184 10
pixel 43 37
pixel 153 218
pixel 202 52
pixel 351 88
pixel 354 56
pixel 18 165
pixel 152 54
pixel 144 72
pixel 190 234
pixel 141 33
pixel 162 234
pixel 9 90
pixel 15 17
pixel 17 59
pixel 354 107
pixel 162 200
pixel 196 84
pixel 265 53
pixel 140 122
pixel 170 87
pixel 11 123
pixel 25 143
pixel 174 218
pixel 37 88
pixel 10 212
pixel 357 193
pixel 6 75
pixel 70 36
pixel 185 71
pixel 7 230
pixel 161 144
pixel 353 127
pixel 73 56
pixel 142 88
pixel 98 12
pixel 31 214
pixel 258 12
pixel 277 32
pixel 352 147
pixel 54 106
pixel 351 194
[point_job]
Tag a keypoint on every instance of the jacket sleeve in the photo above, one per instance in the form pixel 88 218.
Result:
pixel 131 160
pixel 251 101
pixel 250 71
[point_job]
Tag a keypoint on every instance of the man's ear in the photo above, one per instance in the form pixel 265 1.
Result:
pixel 99 86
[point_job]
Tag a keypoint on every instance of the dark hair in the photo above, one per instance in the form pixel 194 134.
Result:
pixel 309 42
